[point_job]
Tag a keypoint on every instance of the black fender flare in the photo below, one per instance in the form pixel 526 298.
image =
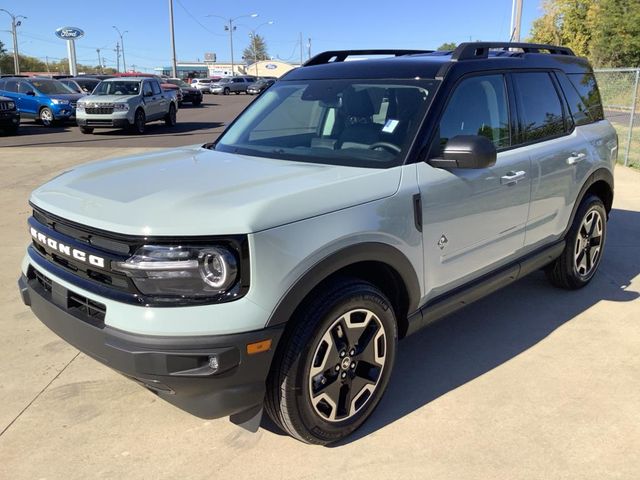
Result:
pixel 601 174
pixel 362 252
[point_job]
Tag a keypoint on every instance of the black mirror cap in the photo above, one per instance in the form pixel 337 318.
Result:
pixel 467 151
pixel 31 93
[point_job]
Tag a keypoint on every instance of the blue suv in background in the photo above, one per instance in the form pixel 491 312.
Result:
pixel 47 100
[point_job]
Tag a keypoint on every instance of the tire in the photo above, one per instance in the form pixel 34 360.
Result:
pixel 585 242
pixel 46 117
pixel 197 103
pixel 312 353
pixel 12 130
pixel 139 122
pixel 237 93
pixel 86 130
pixel 170 118
pixel 226 91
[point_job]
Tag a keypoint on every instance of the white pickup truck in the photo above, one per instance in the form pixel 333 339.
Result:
pixel 129 103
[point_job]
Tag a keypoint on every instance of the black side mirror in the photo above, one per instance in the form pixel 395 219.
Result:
pixel 31 93
pixel 466 151
pixel 148 94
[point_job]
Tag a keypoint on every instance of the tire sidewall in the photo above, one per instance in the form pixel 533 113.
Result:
pixel 304 412
pixel 139 128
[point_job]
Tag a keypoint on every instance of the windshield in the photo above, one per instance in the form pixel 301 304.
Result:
pixel 179 83
pixel 120 87
pixel 51 87
pixel 364 123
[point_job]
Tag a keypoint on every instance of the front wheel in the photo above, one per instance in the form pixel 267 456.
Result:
pixel 139 122
pixel 170 117
pixel 226 91
pixel 334 363
pixel 46 117
pixel 86 130
pixel 580 259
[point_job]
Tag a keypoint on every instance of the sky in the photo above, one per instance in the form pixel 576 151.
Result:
pixel 331 25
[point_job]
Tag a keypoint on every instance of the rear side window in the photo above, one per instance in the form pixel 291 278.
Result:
pixel 478 106
pixel 11 86
pixel 541 114
pixel 587 88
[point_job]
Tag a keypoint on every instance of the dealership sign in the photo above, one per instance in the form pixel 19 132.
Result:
pixel 271 66
pixel 69 33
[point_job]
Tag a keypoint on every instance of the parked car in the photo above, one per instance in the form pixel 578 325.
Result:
pixel 9 116
pixel 228 85
pixel 129 102
pixel 44 99
pixel 189 94
pixel 82 85
pixel 352 204
pixel 170 87
pixel 260 86
pixel 202 84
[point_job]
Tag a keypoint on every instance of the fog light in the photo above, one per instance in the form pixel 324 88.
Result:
pixel 213 363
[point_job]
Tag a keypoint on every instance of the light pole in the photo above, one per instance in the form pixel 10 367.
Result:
pixel 124 62
pixel 231 28
pixel 174 65
pixel 15 22
pixel 252 36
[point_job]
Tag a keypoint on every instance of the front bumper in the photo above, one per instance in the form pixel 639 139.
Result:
pixel 10 118
pixel 103 122
pixel 175 368
pixel 63 112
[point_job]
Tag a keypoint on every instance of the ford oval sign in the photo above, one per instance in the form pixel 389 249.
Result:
pixel 271 66
pixel 69 33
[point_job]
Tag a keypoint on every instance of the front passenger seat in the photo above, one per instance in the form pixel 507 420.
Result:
pixel 356 112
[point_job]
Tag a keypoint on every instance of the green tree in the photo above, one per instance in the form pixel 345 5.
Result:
pixel 566 23
pixel 257 50
pixel 2 49
pixel 616 36
pixel 447 46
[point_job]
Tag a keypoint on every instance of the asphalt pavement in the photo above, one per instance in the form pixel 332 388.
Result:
pixel 200 124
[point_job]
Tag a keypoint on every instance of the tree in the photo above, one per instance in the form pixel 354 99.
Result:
pixel 2 49
pixel 257 50
pixel 447 46
pixel 566 23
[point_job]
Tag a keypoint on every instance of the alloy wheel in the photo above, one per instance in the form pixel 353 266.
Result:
pixel 588 243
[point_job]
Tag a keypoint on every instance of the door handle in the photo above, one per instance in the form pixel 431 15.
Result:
pixel 512 178
pixel 576 158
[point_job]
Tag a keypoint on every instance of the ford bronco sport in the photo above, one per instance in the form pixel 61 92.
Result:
pixel 351 204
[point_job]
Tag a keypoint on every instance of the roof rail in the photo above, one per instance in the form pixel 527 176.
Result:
pixel 479 50
pixel 341 55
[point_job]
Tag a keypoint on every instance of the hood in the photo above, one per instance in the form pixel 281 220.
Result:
pixel 107 98
pixel 195 191
pixel 72 97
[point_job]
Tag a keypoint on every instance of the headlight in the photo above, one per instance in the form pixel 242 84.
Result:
pixel 58 101
pixel 120 107
pixel 11 105
pixel 181 271
pixel 80 107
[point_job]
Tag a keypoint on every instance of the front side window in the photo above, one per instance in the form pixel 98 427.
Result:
pixel 155 87
pixel 540 108
pixel 365 123
pixel 146 89
pixel 478 106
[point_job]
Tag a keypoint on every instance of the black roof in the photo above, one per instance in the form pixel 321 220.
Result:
pixel 467 57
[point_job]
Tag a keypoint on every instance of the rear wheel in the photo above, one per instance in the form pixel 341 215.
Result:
pixel 334 363
pixel 580 259
pixel 46 117
pixel 170 117
pixel 86 130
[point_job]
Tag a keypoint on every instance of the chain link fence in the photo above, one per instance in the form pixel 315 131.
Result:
pixel 619 88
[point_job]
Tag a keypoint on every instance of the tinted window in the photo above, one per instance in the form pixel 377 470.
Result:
pixel 578 109
pixel 540 107
pixel 24 88
pixel 146 89
pixel 11 86
pixel 156 88
pixel 478 106
pixel 587 88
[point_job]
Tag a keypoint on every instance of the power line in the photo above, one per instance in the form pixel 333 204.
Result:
pixel 195 19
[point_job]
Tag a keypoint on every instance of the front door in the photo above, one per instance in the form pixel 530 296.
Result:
pixel 474 219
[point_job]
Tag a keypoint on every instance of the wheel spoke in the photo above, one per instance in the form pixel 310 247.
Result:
pixel 593 256
pixel 581 262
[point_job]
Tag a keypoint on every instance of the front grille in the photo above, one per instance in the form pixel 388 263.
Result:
pixel 99 110
pixel 73 104
pixel 77 305
pixel 5 106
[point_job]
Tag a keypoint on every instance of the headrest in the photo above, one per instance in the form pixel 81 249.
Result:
pixel 357 103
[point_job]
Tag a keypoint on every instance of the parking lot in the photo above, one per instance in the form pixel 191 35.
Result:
pixel 531 382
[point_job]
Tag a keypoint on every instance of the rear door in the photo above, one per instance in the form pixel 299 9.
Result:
pixel 160 98
pixel 558 154
pixel 474 219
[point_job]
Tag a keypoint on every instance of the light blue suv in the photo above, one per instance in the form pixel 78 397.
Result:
pixel 350 205
pixel 44 99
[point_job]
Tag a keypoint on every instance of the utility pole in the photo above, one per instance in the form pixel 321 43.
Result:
pixel 516 20
pixel 174 65
pixel 46 61
pixel 99 61
pixel 15 22
pixel 309 48
pixel 301 48
pixel 117 50
pixel 124 62
pixel 230 28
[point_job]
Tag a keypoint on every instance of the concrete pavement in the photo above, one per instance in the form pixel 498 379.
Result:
pixel 531 382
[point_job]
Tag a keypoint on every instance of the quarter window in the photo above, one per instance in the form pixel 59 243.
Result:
pixel 540 108
pixel 478 106
pixel 586 86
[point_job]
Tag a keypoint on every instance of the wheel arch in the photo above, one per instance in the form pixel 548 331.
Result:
pixel 599 183
pixel 383 265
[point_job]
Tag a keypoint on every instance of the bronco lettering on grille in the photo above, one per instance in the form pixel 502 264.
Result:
pixel 67 250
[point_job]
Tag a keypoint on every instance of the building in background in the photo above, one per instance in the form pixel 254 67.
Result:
pixel 264 68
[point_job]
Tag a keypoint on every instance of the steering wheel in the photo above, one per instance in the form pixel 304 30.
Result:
pixel 387 145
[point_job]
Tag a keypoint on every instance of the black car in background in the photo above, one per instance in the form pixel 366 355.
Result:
pixel 81 84
pixel 9 116
pixel 189 94
pixel 260 85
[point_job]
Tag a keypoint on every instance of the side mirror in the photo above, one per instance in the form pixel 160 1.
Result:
pixel 31 93
pixel 148 94
pixel 466 151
